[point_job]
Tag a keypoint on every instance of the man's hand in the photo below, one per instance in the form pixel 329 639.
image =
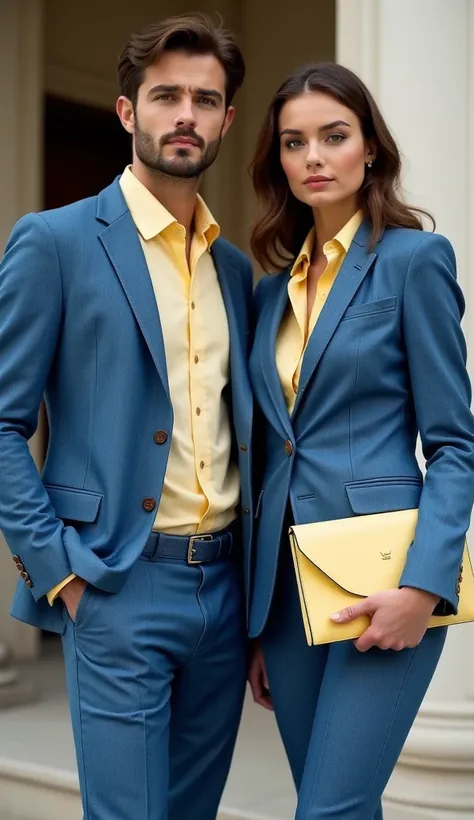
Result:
pixel 258 679
pixel 71 594
pixel 399 618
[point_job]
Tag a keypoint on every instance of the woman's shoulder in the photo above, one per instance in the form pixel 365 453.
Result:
pixel 408 241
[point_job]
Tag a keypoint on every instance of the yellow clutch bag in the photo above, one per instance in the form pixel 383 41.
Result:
pixel 338 563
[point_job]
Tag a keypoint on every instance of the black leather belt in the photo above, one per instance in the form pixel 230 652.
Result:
pixel 194 549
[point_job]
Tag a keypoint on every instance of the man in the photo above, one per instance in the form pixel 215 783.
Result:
pixel 130 314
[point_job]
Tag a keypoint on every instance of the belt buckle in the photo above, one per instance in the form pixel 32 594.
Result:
pixel 191 548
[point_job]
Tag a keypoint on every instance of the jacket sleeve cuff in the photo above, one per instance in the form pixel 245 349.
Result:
pixel 448 605
pixel 54 592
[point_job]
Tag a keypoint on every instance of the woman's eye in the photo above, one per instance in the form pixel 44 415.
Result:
pixel 335 138
pixel 293 143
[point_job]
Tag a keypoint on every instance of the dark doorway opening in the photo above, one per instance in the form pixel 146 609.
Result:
pixel 84 150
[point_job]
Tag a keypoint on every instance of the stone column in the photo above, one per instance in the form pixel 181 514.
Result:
pixel 20 172
pixel 418 60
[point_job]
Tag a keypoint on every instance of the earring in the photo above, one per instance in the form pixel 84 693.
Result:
pixel 370 163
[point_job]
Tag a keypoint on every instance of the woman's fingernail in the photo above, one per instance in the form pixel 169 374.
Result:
pixel 336 617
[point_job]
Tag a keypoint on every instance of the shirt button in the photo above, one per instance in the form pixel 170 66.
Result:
pixel 193 305
pixel 288 447
pixel 198 411
pixel 160 437
pixel 202 465
pixel 148 504
pixel 196 359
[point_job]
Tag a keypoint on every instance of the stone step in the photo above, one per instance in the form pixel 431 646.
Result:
pixel 33 792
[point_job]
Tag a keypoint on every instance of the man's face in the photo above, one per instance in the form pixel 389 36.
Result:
pixel 180 116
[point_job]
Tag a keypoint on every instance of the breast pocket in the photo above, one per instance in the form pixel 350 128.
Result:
pixel 377 308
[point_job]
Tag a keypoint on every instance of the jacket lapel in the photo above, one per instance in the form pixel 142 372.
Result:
pixel 236 308
pixel 122 245
pixel 270 321
pixel 355 267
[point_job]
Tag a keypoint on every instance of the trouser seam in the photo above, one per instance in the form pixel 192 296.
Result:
pixel 389 729
pixel 81 727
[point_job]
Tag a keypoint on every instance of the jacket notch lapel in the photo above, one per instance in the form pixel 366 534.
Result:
pixel 270 322
pixel 355 267
pixel 122 245
pixel 233 295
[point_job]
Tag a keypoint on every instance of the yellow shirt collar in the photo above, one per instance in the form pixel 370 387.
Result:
pixel 344 237
pixel 152 218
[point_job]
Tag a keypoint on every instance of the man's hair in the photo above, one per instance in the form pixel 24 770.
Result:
pixel 194 33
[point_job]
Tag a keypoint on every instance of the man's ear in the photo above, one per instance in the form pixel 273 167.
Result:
pixel 126 113
pixel 229 118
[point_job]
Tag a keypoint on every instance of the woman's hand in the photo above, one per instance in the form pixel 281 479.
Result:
pixel 258 678
pixel 399 618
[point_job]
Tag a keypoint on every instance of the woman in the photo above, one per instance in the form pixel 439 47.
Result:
pixel 358 347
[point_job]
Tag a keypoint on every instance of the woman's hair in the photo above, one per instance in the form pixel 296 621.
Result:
pixel 194 33
pixel 285 221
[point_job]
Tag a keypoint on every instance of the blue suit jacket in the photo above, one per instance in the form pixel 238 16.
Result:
pixel 79 323
pixel 385 361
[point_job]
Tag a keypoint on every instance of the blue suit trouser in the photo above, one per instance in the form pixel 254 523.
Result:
pixel 156 677
pixel 343 715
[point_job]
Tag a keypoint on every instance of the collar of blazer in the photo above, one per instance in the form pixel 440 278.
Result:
pixel 121 242
pixel 355 267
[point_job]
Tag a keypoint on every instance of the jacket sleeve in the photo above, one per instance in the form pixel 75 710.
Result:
pixel 433 307
pixel 30 323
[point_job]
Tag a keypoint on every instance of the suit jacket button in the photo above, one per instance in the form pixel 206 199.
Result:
pixel 243 447
pixel 160 437
pixel 26 578
pixel 288 447
pixel 148 504
pixel 246 510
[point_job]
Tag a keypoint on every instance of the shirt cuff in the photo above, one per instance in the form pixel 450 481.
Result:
pixel 54 592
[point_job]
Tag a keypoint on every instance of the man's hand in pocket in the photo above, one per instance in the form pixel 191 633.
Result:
pixel 71 594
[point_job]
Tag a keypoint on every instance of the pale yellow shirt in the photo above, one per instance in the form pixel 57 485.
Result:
pixel 201 488
pixel 295 330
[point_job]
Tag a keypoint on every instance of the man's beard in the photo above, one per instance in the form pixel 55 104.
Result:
pixel 180 166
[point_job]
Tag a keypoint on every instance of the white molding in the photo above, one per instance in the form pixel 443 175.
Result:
pixel 30 113
pixel 21 83
pixel 81 87
pixel 442 738
pixel 40 792
pixel 468 286
pixel 434 774
pixel 357 39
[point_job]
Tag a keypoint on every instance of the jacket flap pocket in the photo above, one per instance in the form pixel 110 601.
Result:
pixel 370 308
pixel 362 555
pixel 74 504
pixel 384 496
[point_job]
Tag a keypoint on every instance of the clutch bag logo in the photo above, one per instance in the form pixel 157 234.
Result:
pixel 386 556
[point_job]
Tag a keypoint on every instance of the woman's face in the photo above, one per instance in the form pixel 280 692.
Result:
pixel 322 150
